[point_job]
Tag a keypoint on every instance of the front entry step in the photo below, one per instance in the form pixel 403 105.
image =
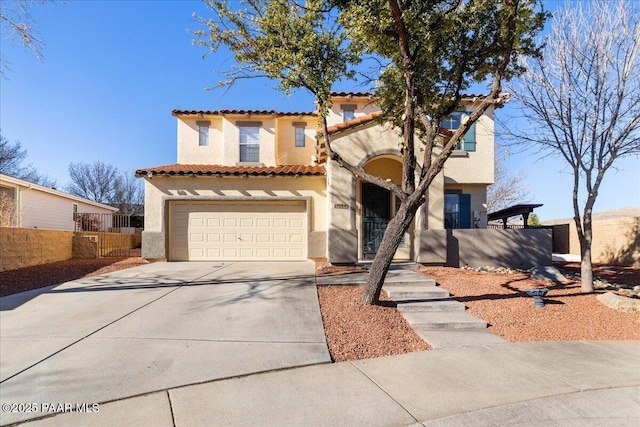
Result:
pixel 414 292
pixel 444 320
pixel 438 338
pixel 413 306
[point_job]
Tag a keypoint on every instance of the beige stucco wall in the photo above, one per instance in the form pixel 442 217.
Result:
pixel 286 151
pixel 277 140
pixel 189 151
pixel 524 248
pixel 158 191
pixel 364 106
pixel 474 167
pixel 24 247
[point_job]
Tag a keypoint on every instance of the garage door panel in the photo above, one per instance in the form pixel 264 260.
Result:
pixel 295 253
pixel 247 223
pixel 279 222
pixel 219 231
pixel 213 222
pixel 263 238
pixel 263 223
pixel 230 222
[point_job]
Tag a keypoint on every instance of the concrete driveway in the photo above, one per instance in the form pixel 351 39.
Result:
pixel 156 327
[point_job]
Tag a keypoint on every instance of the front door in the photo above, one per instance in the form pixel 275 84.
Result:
pixel 377 209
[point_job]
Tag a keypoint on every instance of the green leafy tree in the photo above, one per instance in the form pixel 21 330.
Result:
pixel 430 53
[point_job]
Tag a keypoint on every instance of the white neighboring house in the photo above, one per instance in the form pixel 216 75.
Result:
pixel 35 206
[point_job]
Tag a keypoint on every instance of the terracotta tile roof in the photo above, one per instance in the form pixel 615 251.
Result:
pixel 362 120
pixel 350 94
pixel 242 112
pixel 465 96
pixel 321 156
pixel 219 170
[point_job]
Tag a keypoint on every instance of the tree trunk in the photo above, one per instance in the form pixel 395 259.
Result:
pixel 586 270
pixel 396 228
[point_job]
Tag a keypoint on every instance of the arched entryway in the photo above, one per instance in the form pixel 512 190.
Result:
pixel 377 206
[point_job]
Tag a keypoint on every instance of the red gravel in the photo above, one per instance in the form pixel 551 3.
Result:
pixel 357 331
pixel 568 314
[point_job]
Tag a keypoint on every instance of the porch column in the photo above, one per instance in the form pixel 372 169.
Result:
pixel 341 196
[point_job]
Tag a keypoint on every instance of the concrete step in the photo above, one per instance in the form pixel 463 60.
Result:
pixel 444 320
pixel 438 338
pixel 419 281
pixel 429 306
pixel 413 292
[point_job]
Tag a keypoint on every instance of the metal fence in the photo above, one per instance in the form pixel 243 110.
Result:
pixel 112 233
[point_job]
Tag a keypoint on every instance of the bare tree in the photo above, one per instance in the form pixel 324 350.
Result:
pixel 508 187
pixel 128 195
pixel 8 210
pixel 12 156
pixel 17 25
pixel 105 183
pixel 93 181
pixel 582 101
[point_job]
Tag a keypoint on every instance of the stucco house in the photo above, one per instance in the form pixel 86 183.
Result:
pixel 28 205
pixel 255 185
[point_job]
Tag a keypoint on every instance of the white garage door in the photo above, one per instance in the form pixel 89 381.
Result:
pixel 238 231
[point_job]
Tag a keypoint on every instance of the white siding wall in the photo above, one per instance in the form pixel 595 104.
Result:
pixel 43 210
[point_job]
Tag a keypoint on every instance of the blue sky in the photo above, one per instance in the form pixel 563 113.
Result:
pixel 113 71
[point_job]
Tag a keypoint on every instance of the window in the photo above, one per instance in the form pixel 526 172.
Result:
pixel 348 112
pixel 75 212
pixel 453 122
pixel 300 136
pixel 457 210
pixel 249 144
pixel 203 133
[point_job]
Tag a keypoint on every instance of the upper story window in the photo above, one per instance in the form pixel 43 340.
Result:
pixel 348 112
pixel 300 135
pixel 453 122
pixel 74 208
pixel 249 141
pixel 203 133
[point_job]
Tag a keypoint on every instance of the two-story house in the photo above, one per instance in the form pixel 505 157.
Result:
pixel 254 185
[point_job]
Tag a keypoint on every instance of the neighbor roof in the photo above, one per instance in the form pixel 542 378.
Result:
pixel 16 182
pixel 220 170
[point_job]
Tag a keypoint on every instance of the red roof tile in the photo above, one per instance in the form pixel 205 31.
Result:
pixel 362 120
pixel 219 170
pixel 465 96
pixel 350 94
pixel 242 112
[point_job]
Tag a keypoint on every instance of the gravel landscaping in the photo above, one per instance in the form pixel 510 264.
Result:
pixel 355 331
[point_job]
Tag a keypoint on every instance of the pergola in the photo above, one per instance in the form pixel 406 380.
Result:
pixel 505 214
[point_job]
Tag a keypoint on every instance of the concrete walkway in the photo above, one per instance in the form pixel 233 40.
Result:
pixel 156 327
pixel 535 384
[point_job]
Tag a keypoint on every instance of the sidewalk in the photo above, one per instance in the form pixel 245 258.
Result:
pixel 544 383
